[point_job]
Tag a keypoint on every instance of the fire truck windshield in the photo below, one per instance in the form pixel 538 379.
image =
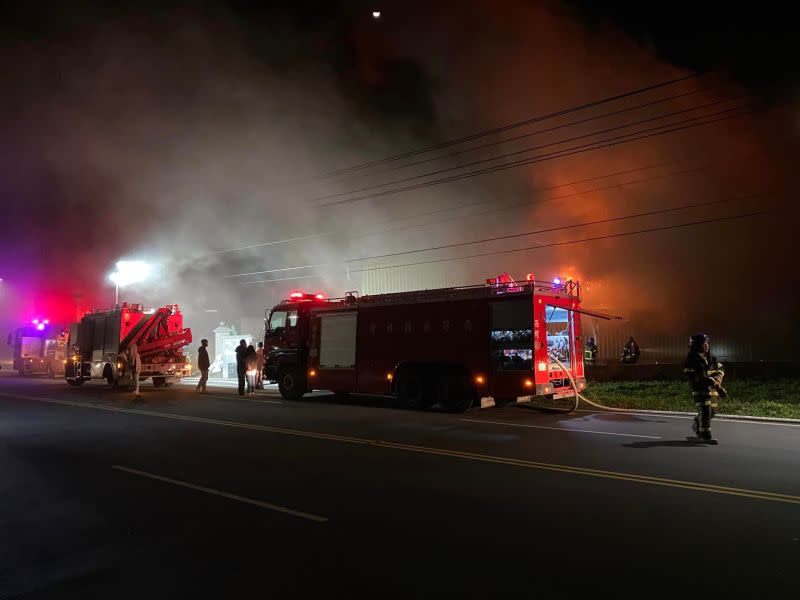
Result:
pixel 281 319
pixel 30 347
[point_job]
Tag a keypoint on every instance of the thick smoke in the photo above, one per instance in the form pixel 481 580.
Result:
pixel 181 135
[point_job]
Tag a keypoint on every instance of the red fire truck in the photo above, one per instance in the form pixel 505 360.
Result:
pixel 97 343
pixel 451 346
pixel 38 348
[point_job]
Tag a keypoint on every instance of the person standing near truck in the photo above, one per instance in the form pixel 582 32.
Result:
pixel 241 351
pixel 251 367
pixel 135 365
pixel 261 361
pixel 203 363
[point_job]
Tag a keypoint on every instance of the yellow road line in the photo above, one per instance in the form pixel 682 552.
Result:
pixel 565 429
pixel 229 496
pixel 486 458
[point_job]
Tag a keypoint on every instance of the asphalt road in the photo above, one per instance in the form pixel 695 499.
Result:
pixel 185 494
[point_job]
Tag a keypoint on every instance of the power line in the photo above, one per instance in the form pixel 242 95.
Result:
pixel 540 131
pixel 281 279
pixel 281 270
pixel 508 127
pixel 533 202
pixel 623 139
pixel 560 228
pixel 504 207
pixel 533 148
pixel 318 235
pixel 533 133
pixel 293 239
pixel 660 211
pixel 568 242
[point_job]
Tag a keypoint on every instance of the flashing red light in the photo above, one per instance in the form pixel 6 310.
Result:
pixel 530 277
pixel 319 297
pixel 40 327
pixel 492 281
pixel 46 321
pixel 296 295
pixel 35 321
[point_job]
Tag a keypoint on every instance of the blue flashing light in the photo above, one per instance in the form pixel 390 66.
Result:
pixel 557 281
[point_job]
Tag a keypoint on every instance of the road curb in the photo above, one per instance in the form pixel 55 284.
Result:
pixel 717 416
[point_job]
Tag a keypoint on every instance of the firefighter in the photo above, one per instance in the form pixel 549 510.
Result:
pixel 591 351
pixel 631 352
pixel 705 375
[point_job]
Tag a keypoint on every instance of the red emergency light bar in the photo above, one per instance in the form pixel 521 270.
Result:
pixel 303 296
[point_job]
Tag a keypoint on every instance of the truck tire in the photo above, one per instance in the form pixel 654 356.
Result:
pixel 159 381
pixel 291 384
pixel 414 390
pixel 456 393
pixel 108 374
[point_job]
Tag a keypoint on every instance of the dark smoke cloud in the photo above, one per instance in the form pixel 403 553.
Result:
pixel 176 133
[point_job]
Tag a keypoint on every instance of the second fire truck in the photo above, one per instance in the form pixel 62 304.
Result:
pixel 452 346
pixel 97 343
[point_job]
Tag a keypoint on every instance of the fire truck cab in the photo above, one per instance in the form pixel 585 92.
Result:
pixel 450 346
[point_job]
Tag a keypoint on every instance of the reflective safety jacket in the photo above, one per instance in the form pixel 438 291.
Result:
pixel 704 373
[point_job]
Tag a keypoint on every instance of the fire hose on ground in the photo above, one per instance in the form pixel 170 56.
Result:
pixel 579 396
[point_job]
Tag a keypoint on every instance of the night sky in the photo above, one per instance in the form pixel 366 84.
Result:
pixel 174 131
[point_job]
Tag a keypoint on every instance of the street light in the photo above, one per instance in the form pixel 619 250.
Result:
pixel 127 273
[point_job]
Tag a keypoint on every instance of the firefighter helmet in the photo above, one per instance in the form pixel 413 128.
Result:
pixel 697 340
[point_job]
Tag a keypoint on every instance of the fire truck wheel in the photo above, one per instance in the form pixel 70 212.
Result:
pixel 290 384
pixel 411 389
pixel 456 392
pixel 159 381
pixel 108 373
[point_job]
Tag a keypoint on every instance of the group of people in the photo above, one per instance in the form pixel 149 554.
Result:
pixel 249 367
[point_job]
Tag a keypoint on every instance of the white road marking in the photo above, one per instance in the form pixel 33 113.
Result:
pixel 200 488
pixel 651 437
